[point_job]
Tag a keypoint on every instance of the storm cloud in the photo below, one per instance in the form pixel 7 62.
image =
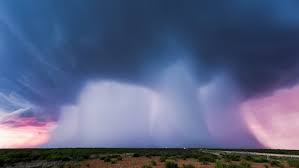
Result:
pixel 233 51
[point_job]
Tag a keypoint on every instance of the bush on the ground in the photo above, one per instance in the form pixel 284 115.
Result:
pixel 188 166
pixel 256 159
pixel 276 163
pixel 170 164
pixel 219 164
pixel 136 155
pixel 163 158
pixel 232 165
pixel 207 157
pixel 107 159
pixel 231 157
pixel 294 163
pixel 113 160
pixel 245 164
pixel 154 163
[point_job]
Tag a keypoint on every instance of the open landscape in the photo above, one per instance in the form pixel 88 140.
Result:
pixel 147 158
pixel 149 84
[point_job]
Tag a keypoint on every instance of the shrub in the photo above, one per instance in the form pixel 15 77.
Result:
pixel 205 163
pixel 163 158
pixel 219 164
pixel 171 164
pixel 257 159
pixel 119 157
pixel 172 157
pixel 58 157
pixel 113 160
pixel 294 163
pixel 107 159
pixel 207 157
pixel 245 164
pixel 249 158
pixel 154 163
pixel 276 163
pixel 232 165
pixel 130 154
pixel 232 157
pixel 146 166
pixel 261 160
pixel 188 166
pixel 102 157
pixel 136 155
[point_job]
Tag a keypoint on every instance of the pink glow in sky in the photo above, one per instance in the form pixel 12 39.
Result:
pixel 24 133
pixel 274 119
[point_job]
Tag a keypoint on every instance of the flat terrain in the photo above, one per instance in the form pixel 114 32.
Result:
pixel 147 158
pixel 264 154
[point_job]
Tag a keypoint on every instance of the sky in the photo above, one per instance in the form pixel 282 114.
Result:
pixel 159 73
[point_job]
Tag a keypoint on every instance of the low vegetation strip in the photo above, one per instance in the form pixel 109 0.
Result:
pixel 140 158
pixel 264 154
pixel 269 151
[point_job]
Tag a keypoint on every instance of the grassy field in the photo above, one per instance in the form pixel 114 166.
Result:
pixel 143 158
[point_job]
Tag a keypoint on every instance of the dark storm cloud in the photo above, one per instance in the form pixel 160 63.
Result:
pixel 51 47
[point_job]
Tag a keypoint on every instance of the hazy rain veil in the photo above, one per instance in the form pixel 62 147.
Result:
pixel 220 102
pixel 178 120
pixel 108 114
pixel 176 113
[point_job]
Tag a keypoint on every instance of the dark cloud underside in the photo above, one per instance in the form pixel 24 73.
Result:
pixel 51 47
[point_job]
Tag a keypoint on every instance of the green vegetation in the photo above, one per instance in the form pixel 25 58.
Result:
pixel 294 163
pixel 114 160
pixel 170 164
pixel 168 156
pixel 219 164
pixel 275 151
pixel 14 156
pixel 146 166
pixel 136 155
pixel 207 157
pixel 205 163
pixel 245 164
pixel 163 158
pixel 231 157
pixel 71 165
pixel 188 166
pixel 154 163
pixel 148 155
pixel 256 159
pixel 276 163
pixel 107 160
pixel 231 165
